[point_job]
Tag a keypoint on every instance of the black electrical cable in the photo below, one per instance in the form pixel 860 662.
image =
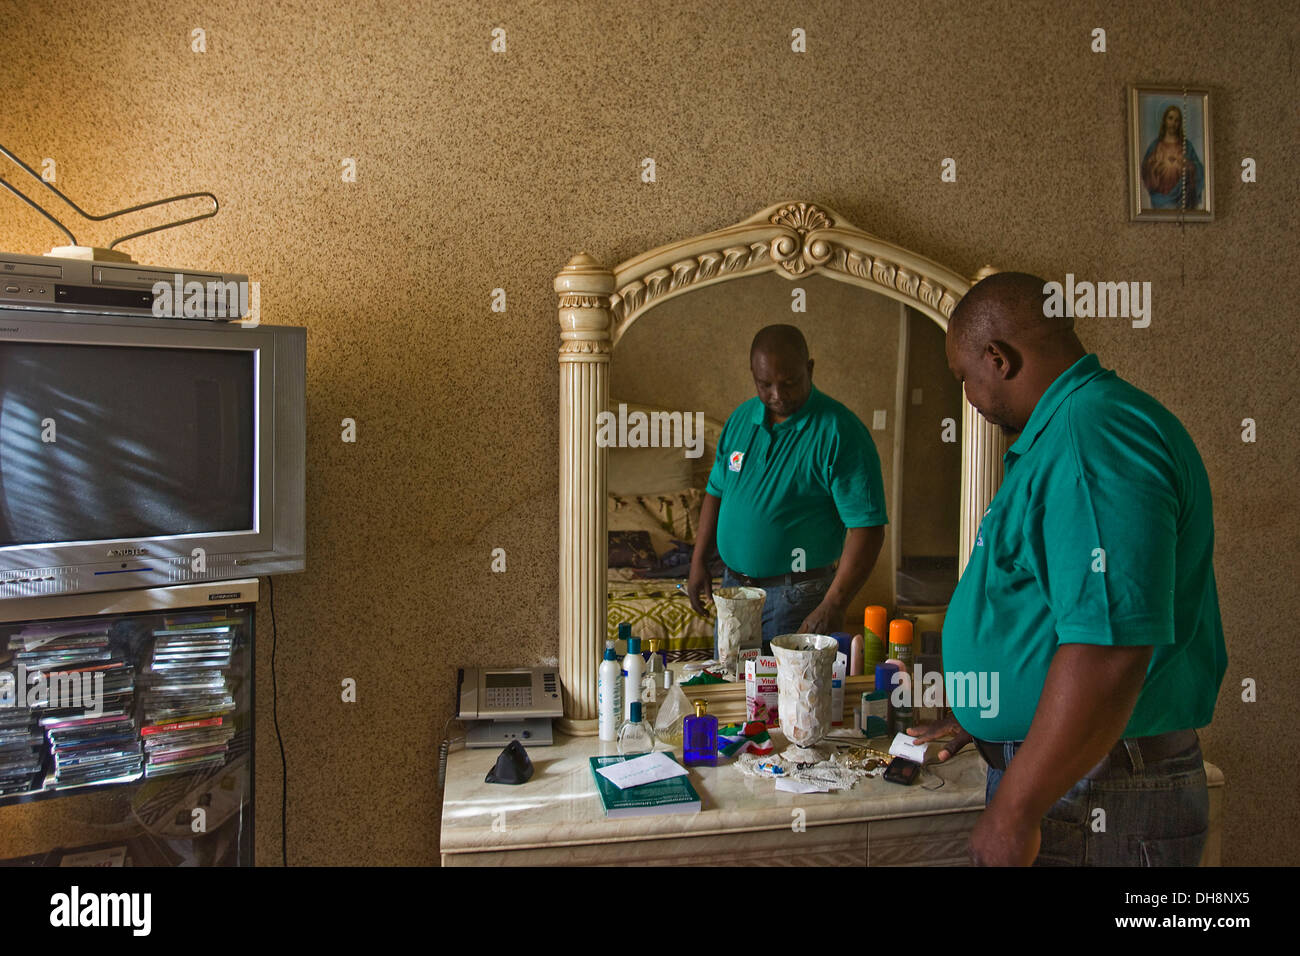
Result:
pixel 275 717
pixel 444 749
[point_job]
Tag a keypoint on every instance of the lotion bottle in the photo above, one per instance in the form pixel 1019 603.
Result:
pixel 609 694
pixel 855 655
pixel 633 671
pixel 877 704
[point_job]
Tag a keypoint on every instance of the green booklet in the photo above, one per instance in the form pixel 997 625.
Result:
pixel 675 795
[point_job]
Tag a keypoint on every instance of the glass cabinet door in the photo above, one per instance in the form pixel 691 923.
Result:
pixel 127 739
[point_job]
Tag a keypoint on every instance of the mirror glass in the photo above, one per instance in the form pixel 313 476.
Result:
pixel 881 359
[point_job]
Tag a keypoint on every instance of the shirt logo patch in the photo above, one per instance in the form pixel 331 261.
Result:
pixel 733 463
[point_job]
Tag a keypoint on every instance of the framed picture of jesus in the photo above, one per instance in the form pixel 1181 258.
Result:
pixel 1169 154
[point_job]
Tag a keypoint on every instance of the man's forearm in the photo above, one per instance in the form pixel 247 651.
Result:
pixel 861 548
pixel 1085 705
pixel 706 534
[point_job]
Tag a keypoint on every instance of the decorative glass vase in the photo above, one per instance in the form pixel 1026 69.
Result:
pixel 740 624
pixel 804 666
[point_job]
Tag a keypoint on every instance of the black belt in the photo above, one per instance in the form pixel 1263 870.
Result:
pixel 794 577
pixel 1135 752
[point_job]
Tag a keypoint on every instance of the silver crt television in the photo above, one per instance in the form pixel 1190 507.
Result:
pixel 138 451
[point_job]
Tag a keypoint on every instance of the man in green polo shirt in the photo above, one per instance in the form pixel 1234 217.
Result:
pixel 1083 644
pixel 795 488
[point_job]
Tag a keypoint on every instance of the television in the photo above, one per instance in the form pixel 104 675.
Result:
pixel 137 451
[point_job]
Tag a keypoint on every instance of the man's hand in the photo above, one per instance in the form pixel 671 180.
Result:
pixel 942 728
pixel 999 838
pixel 699 581
pixel 861 546
pixel 705 540
pixel 1004 839
pixel 826 618
pixel 1073 727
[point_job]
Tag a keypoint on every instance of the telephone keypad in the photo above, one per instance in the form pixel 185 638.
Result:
pixel 509 698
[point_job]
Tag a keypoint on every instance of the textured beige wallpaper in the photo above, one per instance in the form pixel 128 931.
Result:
pixel 478 171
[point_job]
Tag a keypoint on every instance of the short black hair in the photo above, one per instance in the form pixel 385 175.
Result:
pixel 1005 305
pixel 780 339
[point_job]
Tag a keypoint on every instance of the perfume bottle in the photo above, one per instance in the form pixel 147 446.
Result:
pixel 653 684
pixel 700 737
pixel 635 736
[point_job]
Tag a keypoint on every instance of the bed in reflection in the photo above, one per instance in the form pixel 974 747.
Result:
pixel 654 501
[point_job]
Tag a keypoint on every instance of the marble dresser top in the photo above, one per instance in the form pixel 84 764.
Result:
pixel 559 805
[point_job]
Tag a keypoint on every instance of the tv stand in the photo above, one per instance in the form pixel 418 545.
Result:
pixel 155 766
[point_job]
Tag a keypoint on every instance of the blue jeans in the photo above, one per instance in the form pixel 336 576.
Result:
pixel 1153 815
pixel 785 608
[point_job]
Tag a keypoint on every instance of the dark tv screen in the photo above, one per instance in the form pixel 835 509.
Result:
pixel 101 442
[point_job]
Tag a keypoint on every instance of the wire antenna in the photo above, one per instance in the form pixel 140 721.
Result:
pixel 106 216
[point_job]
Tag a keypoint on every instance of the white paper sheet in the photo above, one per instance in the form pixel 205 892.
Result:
pixel 639 770
pixel 905 746
pixel 791 785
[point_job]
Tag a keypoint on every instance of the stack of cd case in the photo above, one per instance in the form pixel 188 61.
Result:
pixel 81 686
pixel 186 700
pixel 22 747
pixel 22 744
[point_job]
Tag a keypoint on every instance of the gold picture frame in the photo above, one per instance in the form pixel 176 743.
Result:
pixel 1170 154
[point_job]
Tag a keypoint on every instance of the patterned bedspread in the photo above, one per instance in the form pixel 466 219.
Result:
pixel 656 608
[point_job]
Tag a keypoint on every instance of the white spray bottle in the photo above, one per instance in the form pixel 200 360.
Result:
pixel 633 671
pixel 609 694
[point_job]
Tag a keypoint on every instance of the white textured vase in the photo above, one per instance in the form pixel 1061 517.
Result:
pixel 740 623
pixel 804 669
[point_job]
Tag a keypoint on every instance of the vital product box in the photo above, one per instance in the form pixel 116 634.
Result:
pixel 760 690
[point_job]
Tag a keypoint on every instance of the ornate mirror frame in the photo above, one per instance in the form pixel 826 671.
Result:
pixel 597 305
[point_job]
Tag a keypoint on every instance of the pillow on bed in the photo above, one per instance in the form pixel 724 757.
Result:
pixel 666 516
pixel 627 514
pixel 639 471
pixel 631 549
pixel 643 471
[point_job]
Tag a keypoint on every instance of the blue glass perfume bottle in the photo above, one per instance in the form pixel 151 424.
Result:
pixel 700 737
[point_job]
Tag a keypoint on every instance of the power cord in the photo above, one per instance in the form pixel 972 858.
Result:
pixel 275 717
pixel 444 749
